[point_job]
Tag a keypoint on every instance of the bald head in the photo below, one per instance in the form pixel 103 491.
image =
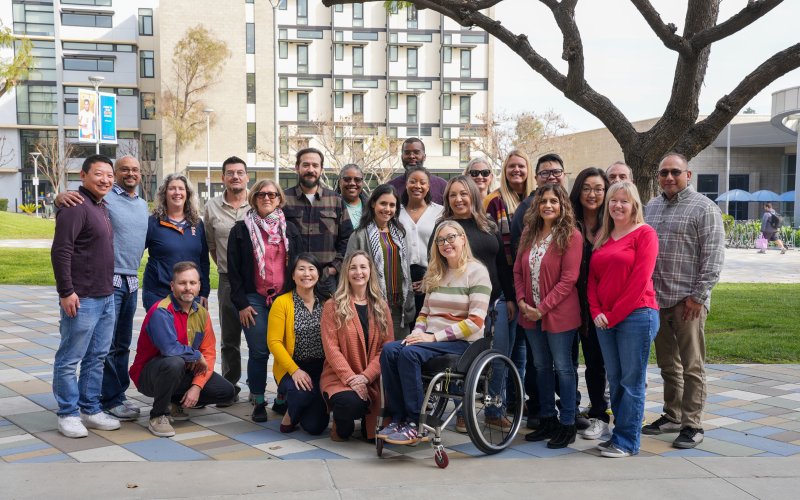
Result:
pixel 128 173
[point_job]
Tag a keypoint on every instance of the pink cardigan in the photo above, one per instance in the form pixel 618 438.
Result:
pixel 560 307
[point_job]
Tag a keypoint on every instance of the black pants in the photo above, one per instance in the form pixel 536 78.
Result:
pixel 167 380
pixel 347 407
pixel 595 374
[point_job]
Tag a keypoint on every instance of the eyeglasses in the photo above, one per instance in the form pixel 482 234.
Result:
pixel 597 190
pixel 357 180
pixel 556 172
pixel 675 172
pixel 450 238
pixel 235 173
pixel 482 173
pixel 271 195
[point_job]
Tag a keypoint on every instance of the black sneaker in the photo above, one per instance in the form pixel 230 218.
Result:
pixel 279 406
pixel 548 429
pixel 581 422
pixel 661 426
pixel 688 438
pixel 260 413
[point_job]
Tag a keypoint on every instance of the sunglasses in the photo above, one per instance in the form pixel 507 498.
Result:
pixel 261 195
pixel 482 173
pixel 675 172
pixel 357 180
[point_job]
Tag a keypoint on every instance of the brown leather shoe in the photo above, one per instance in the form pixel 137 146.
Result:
pixel 335 435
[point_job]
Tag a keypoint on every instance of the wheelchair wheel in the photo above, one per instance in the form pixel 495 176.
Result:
pixel 437 404
pixel 441 459
pixel 379 446
pixel 477 401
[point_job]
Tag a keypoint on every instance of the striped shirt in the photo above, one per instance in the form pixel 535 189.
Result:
pixel 456 309
pixel 691 246
pixel 391 269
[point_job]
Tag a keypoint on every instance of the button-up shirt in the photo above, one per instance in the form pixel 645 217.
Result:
pixel 219 216
pixel 691 246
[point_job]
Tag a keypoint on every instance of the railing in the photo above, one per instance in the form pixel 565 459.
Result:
pixel 744 234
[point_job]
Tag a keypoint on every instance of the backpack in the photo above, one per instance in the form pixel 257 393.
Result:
pixel 775 220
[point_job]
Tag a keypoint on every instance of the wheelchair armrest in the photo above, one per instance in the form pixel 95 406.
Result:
pixel 473 351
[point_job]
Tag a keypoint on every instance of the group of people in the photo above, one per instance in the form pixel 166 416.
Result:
pixel 346 290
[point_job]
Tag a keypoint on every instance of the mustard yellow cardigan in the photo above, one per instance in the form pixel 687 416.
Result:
pixel 280 336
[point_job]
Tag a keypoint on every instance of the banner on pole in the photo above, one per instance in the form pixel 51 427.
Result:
pixel 87 122
pixel 108 118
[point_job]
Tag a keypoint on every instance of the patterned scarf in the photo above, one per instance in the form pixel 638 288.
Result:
pixel 274 225
pixel 374 239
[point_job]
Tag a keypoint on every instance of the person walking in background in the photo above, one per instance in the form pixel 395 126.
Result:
pixel 383 238
pixel 770 228
pixel 624 310
pixel 351 188
pixel 691 242
pixel 82 256
pixel 260 248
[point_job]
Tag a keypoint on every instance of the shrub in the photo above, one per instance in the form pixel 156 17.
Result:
pixel 727 222
pixel 28 208
pixel 3 205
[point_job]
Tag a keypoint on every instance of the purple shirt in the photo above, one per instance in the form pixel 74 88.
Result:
pixel 437 187
pixel 83 249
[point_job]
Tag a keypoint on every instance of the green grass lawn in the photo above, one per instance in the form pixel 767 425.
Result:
pixel 22 226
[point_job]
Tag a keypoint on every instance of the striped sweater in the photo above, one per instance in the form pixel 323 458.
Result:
pixel 456 309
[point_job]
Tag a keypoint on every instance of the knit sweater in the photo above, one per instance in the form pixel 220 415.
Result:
pixel 456 309
pixel 129 221
pixel 167 245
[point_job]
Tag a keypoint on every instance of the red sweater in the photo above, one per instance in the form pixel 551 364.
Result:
pixel 621 275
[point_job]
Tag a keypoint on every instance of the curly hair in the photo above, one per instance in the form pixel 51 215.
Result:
pixel 344 294
pixel 190 211
pixel 563 226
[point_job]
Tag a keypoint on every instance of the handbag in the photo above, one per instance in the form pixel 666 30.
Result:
pixel 761 243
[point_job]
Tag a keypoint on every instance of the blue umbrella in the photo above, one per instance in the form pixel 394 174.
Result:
pixel 735 195
pixel 787 196
pixel 765 195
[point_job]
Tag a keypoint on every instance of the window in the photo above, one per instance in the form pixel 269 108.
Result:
pixel 447 51
pixel 146 22
pixel 393 7
pixel 466 63
pixel 365 35
pixel 338 8
pixel 425 131
pixel 146 64
pixel 309 82
pixel 708 185
pixel 250 38
pixel 84 150
pixel 465 111
pixel 36 105
pixel 282 4
pixel 393 94
pixel 463 153
pixel 338 48
pixel 411 58
pixel 148 100
pixel 393 48
pixel 419 84
pixel 98 3
pixel 148 147
pixel 302 11
pixel 358 105
pixel 33 18
pixel 338 97
pixel 419 37
pixel 283 46
pixel 358 14
pixel 89 64
pixel 474 38
pixel 43 62
pixel 99 47
pixel 313 34
pixel 447 98
pixel 393 132
pixel 365 84
pixel 447 144
pixel 473 85
pixel 302 59
pixel 283 94
pixel 302 107
pixel 358 60
pixel 251 88
pixel 738 209
pixel 789 173
pixel 251 137
pixel 411 17
pixel 411 109
pixel 90 19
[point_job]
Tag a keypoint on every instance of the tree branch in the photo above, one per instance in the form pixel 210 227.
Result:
pixel 665 32
pixel 754 10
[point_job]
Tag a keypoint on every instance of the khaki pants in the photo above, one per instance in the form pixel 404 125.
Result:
pixel 231 334
pixel 681 354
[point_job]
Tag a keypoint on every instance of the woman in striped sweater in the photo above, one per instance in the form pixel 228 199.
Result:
pixel 452 316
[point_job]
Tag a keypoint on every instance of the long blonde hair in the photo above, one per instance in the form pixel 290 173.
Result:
pixel 511 198
pixel 437 265
pixel 637 214
pixel 563 227
pixel 344 294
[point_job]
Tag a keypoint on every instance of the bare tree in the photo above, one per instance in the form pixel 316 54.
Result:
pixel 147 163
pixel 53 163
pixel 502 132
pixel 678 128
pixel 6 151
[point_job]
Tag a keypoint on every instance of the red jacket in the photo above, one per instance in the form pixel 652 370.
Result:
pixel 560 308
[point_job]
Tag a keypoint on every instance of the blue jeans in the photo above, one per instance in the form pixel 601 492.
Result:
pixel 150 298
pixel 115 370
pixel 626 348
pixel 553 351
pixel 401 372
pixel 503 341
pixel 256 336
pixel 85 339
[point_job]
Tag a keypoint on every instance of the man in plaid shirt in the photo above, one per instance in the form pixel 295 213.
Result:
pixel 320 214
pixel 691 250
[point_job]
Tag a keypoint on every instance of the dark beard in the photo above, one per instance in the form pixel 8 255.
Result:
pixel 309 183
pixel 418 165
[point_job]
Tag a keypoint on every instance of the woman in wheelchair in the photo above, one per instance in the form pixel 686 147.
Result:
pixel 355 326
pixel 452 316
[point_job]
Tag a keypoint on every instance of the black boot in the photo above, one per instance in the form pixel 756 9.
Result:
pixel 566 435
pixel 548 428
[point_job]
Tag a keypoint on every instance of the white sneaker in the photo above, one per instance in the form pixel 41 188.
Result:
pixel 72 427
pixel 100 421
pixel 597 428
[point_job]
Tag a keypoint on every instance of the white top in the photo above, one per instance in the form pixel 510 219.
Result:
pixel 418 234
pixel 535 263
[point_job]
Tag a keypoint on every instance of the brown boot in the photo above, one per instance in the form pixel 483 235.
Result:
pixel 335 435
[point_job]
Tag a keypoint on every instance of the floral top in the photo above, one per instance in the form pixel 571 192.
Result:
pixel 307 334
pixel 535 262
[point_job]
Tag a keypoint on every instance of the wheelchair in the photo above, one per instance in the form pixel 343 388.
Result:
pixel 464 381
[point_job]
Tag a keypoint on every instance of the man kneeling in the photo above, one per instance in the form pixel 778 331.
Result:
pixel 175 354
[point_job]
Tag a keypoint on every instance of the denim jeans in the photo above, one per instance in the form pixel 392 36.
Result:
pixel 85 339
pixel 256 336
pixel 149 298
pixel 115 370
pixel 552 355
pixel 626 348
pixel 503 341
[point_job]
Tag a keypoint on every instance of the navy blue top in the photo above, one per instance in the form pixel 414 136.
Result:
pixel 169 243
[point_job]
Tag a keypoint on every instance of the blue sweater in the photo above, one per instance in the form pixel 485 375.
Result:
pixel 167 245
pixel 129 220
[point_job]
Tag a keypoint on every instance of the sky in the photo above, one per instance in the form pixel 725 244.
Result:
pixel 627 62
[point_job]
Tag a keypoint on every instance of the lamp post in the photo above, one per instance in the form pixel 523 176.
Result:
pixel 35 180
pixel 208 112
pixel 275 128
pixel 96 81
